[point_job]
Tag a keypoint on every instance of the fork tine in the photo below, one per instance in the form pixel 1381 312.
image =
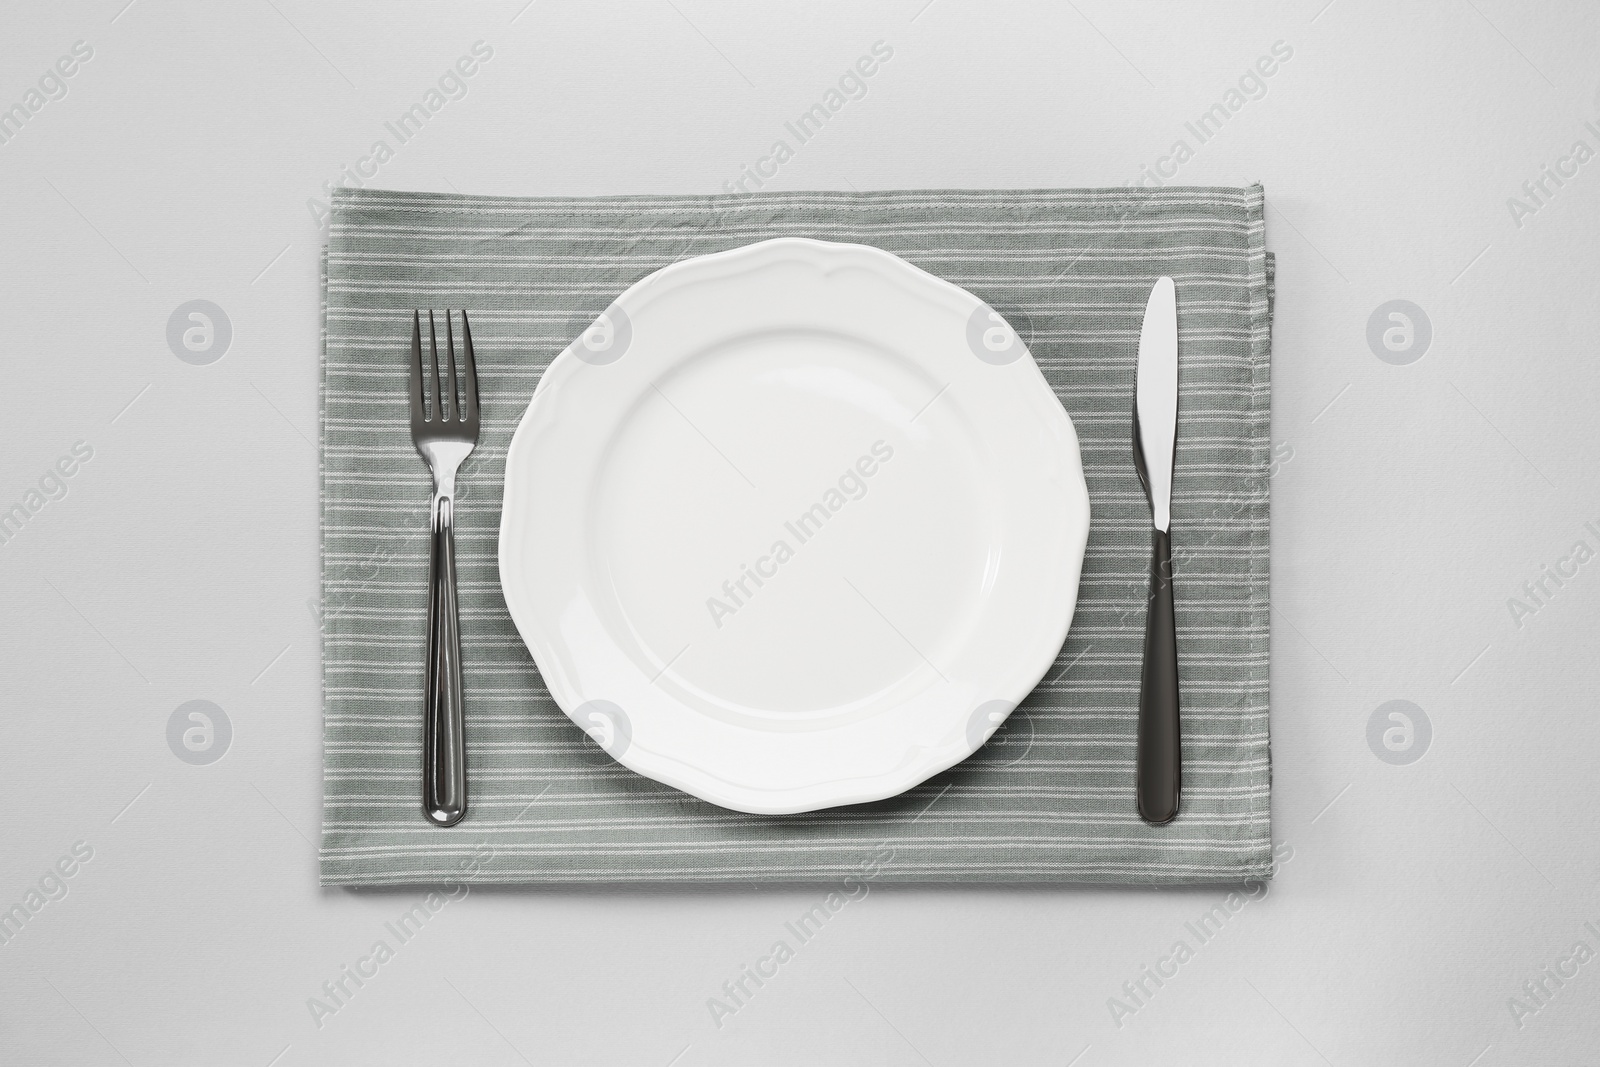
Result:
pixel 417 412
pixel 439 412
pixel 450 343
pixel 469 391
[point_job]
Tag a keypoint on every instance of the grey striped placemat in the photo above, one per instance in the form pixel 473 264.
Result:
pixel 1051 798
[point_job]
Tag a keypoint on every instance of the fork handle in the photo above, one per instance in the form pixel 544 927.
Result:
pixel 444 750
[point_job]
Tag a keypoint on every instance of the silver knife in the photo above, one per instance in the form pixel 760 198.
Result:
pixel 1155 433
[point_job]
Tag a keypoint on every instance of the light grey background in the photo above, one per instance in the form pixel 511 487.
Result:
pixel 1414 503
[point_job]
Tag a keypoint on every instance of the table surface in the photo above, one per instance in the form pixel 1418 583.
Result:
pixel 1436 528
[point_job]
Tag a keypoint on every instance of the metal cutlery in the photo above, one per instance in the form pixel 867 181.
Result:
pixel 1155 431
pixel 444 427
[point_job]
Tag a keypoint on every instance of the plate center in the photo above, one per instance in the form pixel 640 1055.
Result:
pixel 792 527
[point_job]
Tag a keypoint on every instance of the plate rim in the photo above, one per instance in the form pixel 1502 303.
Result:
pixel 712 787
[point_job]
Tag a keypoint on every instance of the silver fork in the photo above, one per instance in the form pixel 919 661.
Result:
pixel 444 427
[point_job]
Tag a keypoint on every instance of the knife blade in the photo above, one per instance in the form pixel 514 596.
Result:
pixel 1155 432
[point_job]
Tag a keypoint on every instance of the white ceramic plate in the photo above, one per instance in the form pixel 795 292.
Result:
pixel 793 525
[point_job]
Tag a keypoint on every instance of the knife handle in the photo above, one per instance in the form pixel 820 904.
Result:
pixel 1160 760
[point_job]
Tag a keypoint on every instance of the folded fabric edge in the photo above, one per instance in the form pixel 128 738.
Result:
pixel 1242 876
pixel 1261 273
pixel 349 197
pixel 322 547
